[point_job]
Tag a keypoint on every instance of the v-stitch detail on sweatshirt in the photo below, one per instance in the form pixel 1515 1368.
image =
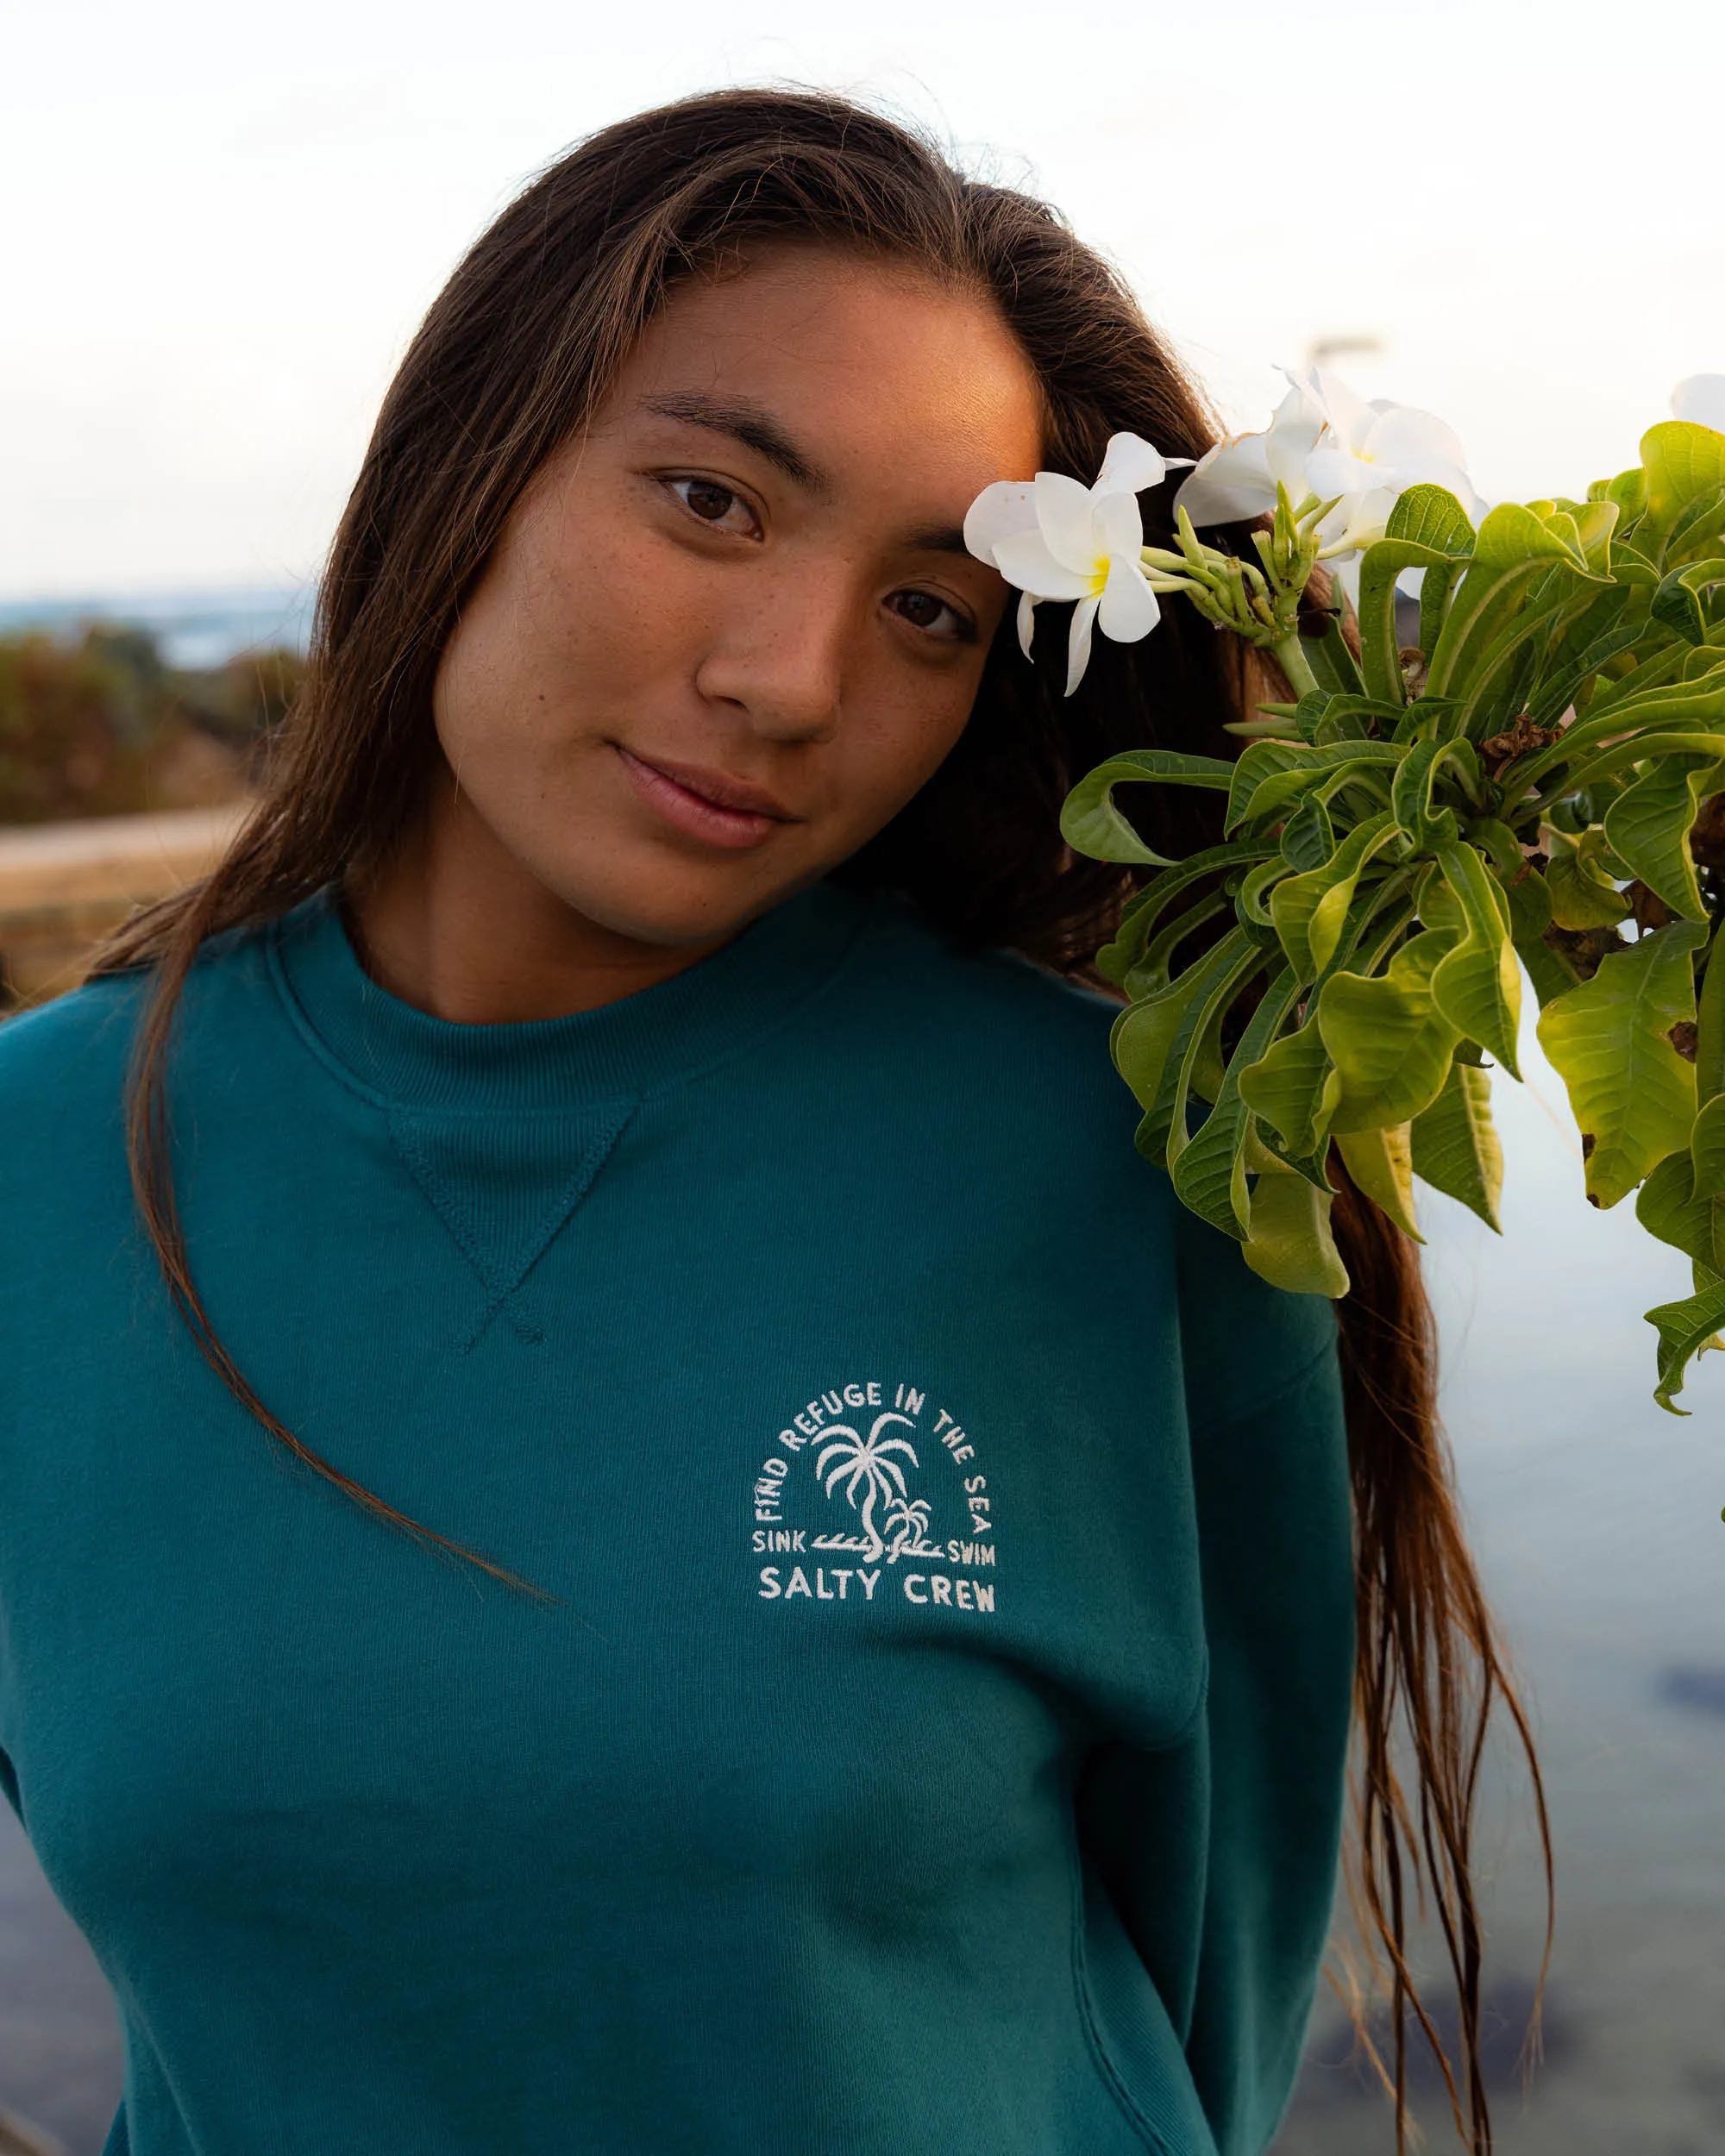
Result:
pixel 455 1160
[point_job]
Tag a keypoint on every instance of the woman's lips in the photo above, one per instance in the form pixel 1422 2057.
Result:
pixel 684 803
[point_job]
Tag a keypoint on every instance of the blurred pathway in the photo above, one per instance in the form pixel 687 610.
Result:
pixel 59 2045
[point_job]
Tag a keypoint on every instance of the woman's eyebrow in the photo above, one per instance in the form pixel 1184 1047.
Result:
pixel 936 539
pixel 746 422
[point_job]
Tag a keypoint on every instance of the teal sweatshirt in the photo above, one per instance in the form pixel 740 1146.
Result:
pixel 934 1747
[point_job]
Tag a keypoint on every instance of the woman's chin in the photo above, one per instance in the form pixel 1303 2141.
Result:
pixel 671 903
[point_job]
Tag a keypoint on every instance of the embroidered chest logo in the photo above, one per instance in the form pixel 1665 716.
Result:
pixel 871 1493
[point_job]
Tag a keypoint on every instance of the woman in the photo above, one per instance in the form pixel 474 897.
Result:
pixel 889 1682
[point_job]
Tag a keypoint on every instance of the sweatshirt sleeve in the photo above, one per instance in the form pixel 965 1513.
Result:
pixel 1219 1853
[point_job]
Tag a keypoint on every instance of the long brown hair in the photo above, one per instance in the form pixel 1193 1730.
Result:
pixel 509 363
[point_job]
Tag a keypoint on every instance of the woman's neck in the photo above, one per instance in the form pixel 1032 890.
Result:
pixel 454 925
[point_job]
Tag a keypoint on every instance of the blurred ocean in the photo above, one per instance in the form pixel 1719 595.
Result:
pixel 192 628
pixel 1596 1519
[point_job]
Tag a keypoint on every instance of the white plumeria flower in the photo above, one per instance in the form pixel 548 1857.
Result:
pixel 1057 539
pixel 1325 442
pixel 1701 400
pixel 1238 478
pixel 1371 453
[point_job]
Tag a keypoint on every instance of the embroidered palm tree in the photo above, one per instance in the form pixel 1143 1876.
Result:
pixel 867 1471
pixel 905 1523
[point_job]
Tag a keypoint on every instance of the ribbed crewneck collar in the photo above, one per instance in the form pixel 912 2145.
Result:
pixel 634 1047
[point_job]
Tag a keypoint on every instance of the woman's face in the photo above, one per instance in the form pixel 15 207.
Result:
pixel 732 629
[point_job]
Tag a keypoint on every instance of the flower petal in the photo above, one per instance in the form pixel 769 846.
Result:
pixel 1128 608
pixel 1701 400
pixel 1078 641
pixel 1118 525
pixel 1130 465
pixel 1333 469
pixel 1293 434
pixel 1302 406
pixel 1349 416
pixel 1230 481
pixel 1358 520
pixel 1064 515
pixel 999 513
pixel 1026 562
pixel 1409 440
pixel 1026 622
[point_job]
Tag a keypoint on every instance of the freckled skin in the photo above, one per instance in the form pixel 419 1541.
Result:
pixel 665 591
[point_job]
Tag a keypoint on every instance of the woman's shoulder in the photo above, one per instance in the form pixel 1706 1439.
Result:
pixel 989 1066
pixel 1021 1056
pixel 964 1003
pixel 64 1064
pixel 75 1046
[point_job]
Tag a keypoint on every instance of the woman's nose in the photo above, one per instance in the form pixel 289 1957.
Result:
pixel 783 663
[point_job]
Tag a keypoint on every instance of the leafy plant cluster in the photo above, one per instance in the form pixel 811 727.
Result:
pixel 1540 785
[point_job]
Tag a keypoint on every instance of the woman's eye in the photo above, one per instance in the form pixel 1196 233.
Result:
pixel 924 611
pixel 715 504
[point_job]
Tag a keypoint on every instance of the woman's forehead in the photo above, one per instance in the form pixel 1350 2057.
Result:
pixel 852 359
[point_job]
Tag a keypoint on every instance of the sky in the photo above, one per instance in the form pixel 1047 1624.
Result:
pixel 219 224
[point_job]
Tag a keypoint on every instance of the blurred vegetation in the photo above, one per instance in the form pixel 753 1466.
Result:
pixel 100 725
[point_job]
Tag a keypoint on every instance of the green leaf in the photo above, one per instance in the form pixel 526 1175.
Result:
pixel 1307 840
pixel 1609 1040
pixel 1430 532
pixel 1425 718
pixel 1089 821
pixel 1502 667
pixel 1588 644
pixel 1682 463
pixel 1678 604
pixel 1251 899
pixel 1160 1062
pixel 1629 490
pixel 1623 755
pixel 1151 971
pixel 1308 910
pixel 1114 960
pixel 1284 1088
pixel 1646 699
pixel 1582 894
pixel 1512 549
pixel 1380 566
pixel 1709 1026
pixel 1261 760
pixel 1437 588
pixel 1667 1207
pixel 1333 666
pixel 1429 516
pixel 1707 1155
pixel 1382 1164
pixel 1410 793
pixel 1389 1042
pixel 1477 986
pixel 1686 1329
pixel 1209 1176
pixel 1267 792
pixel 1351 718
pixel 1455 1145
pixel 1290 1244
pixel 1143 1034
pixel 1530 916
pixel 1701 521
pixel 1682 1200
pixel 1648 826
pixel 1595 524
